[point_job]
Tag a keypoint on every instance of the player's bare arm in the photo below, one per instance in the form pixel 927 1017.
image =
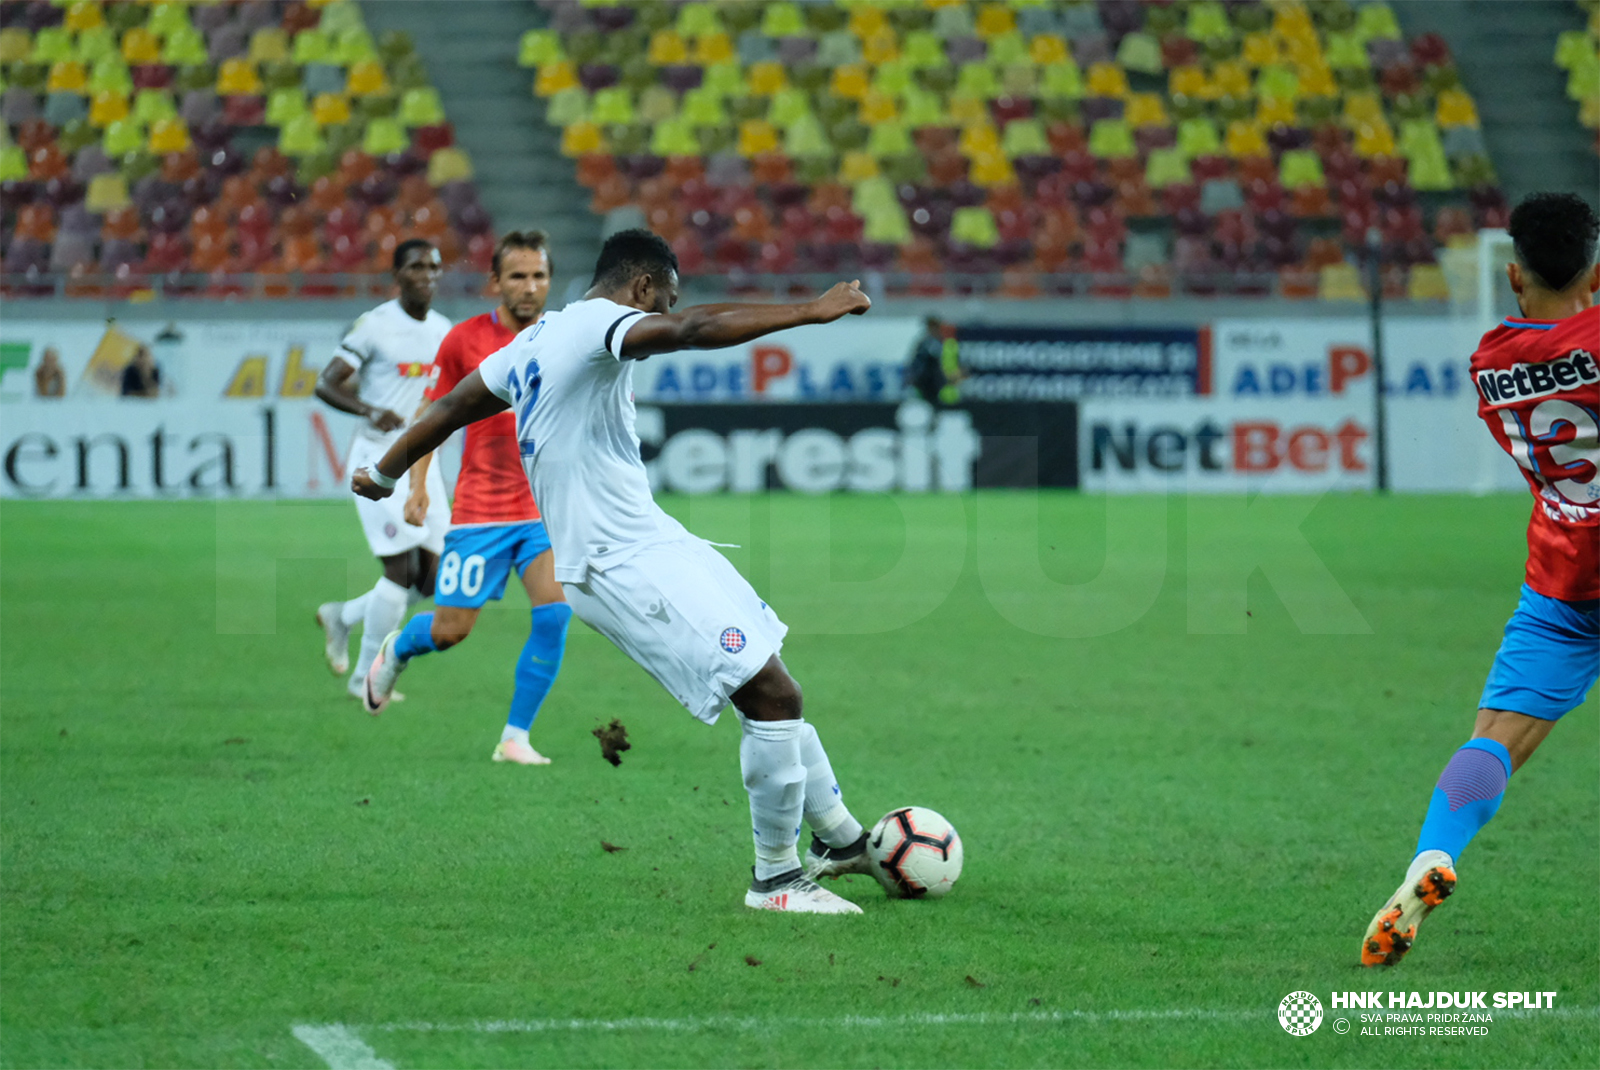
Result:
pixel 469 402
pixel 716 326
pixel 416 510
pixel 336 387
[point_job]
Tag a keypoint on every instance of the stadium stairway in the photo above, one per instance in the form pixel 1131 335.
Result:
pixel 1504 54
pixel 470 50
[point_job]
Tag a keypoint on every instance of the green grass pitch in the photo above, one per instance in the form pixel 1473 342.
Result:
pixel 1184 783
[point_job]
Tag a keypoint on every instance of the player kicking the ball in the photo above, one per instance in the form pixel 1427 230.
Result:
pixel 388 355
pixel 495 526
pixel 666 598
pixel 1538 382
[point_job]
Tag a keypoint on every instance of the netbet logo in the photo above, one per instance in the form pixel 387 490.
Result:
pixel 1524 382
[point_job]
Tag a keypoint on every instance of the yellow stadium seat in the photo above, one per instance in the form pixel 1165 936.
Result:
pixel 107 107
pixel 1047 48
pixel 449 165
pixel 107 193
pixel 868 21
pixel 877 108
pixel 1273 111
pixel 757 136
pixel 83 15
pixel 140 46
pixel 765 78
pixel 331 109
pixel 857 166
pixel 269 45
pixel 67 76
pixel 1107 80
pixel 977 139
pixel 992 169
pixel 366 78
pixel 1340 282
pixel 964 109
pixel 1146 109
pixel 1318 81
pixel 1301 52
pixel 1375 139
pixel 581 139
pixel 169 135
pixel 1292 20
pixel 1260 50
pixel 711 49
pixel 1246 139
pixel 850 81
pixel 15 45
pixel 1189 81
pixel 994 20
pixel 1362 108
pixel 1232 79
pixel 667 48
pixel 1456 109
pixel 238 77
pixel 1428 282
pixel 554 77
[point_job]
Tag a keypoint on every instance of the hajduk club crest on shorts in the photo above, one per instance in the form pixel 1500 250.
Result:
pixel 732 640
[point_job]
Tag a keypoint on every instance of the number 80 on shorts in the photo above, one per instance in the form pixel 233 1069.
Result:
pixel 454 572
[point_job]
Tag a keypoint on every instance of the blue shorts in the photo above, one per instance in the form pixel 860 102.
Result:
pixel 1549 659
pixel 477 561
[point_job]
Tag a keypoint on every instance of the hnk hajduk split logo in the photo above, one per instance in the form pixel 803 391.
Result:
pixel 1300 1014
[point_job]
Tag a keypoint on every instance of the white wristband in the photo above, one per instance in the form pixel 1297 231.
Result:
pixel 382 480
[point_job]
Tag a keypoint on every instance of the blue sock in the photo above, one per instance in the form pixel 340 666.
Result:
pixel 1467 795
pixel 539 663
pixel 415 638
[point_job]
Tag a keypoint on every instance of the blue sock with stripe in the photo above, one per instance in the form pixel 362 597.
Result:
pixel 538 664
pixel 415 638
pixel 1467 795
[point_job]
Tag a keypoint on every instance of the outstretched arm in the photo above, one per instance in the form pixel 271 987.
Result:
pixel 715 326
pixel 469 402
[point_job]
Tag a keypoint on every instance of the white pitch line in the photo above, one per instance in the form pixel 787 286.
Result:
pixel 340 1047
pixel 854 1021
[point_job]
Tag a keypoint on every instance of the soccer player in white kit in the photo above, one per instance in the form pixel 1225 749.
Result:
pixel 666 598
pixel 379 371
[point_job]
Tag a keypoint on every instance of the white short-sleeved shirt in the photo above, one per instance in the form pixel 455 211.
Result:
pixel 394 354
pixel 572 394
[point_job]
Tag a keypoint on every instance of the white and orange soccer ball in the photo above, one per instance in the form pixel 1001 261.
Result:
pixel 915 853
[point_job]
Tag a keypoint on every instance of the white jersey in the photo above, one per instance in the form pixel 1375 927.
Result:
pixel 572 394
pixel 394 354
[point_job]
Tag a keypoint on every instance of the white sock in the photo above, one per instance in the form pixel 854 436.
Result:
pixel 352 612
pixel 1426 861
pixel 769 758
pixel 509 733
pixel 386 608
pixel 825 809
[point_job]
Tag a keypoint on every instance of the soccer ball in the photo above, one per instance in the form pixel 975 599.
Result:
pixel 915 853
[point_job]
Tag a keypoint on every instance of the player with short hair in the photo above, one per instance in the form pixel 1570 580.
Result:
pixel 666 598
pixel 495 527
pixel 1538 380
pixel 379 371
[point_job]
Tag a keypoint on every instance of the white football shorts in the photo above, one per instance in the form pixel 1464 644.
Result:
pixel 384 522
pixel 685 614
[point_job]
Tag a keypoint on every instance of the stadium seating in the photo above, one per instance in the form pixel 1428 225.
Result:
pixel 163 139
pixel 1196 144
